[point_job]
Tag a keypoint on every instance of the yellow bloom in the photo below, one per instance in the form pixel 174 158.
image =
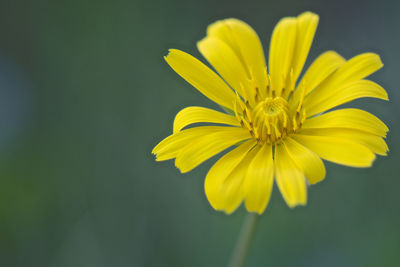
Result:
pixel 281 127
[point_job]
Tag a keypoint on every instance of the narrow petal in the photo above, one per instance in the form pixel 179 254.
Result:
pixel 246 44
pixel 231 191
pixel 289 178
pixel 353 70
pixel 207 146
pixel 373 142
pixel 171 145
pixel 281 52
pixel 319 70
pixel 259 179
pixel 344 94
pixel 226 62
pixel 192 115
pixel 307 23
pixel 201 77
pixel 338 150
pixel 309 162
pixel 348 118
pixel 223 181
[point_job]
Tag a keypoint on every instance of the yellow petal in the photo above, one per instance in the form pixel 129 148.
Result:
pixel 191 115
pixel 201 77
pixel 289 178
pixel 171 145
pixel 353 70
pixel 281 52
pixel 309 162
pixel 223 181
pixel 207 146
pixel 244 41
pixel 232 188
pixel 259 179
pixel 225 61
pixel 348 118
pixel 373 142
pixel 307 23
pixel 338 150
pixel 319 70
pixel 344 94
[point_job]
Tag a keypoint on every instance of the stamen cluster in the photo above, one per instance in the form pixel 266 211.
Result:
pixel 270 116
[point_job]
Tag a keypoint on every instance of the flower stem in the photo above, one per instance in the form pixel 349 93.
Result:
pixel 243 243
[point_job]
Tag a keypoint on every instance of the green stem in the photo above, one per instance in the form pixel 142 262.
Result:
pixel 243 243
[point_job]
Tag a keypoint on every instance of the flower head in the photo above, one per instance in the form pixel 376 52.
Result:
pixel 279 126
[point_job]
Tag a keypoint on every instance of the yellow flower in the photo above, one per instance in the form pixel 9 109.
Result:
pixel 280 127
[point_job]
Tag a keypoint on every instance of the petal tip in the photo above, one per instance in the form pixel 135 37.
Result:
pixel 171 52
pixel 229 211
pixel 260 212
pixel 371 162
pixel 180 168
pixel 309 14
pixel 155 150
pixel 297 203
pixel 251 208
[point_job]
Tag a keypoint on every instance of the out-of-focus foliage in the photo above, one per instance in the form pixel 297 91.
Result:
pixel 85 95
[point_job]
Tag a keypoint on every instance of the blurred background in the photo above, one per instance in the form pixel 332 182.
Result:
pixel 84 97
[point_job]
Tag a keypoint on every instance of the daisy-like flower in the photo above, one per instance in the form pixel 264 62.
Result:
pixel 279 126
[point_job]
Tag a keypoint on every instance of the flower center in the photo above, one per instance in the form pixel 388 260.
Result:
pixel 271 119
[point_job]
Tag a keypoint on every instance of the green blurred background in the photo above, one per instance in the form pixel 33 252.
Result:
pixel 84 97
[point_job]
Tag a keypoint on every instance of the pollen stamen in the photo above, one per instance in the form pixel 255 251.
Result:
pixel 270 119
pixel 303 91
pixel 269 86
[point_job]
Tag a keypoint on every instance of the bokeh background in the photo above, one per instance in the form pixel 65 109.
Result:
pixel 84 97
